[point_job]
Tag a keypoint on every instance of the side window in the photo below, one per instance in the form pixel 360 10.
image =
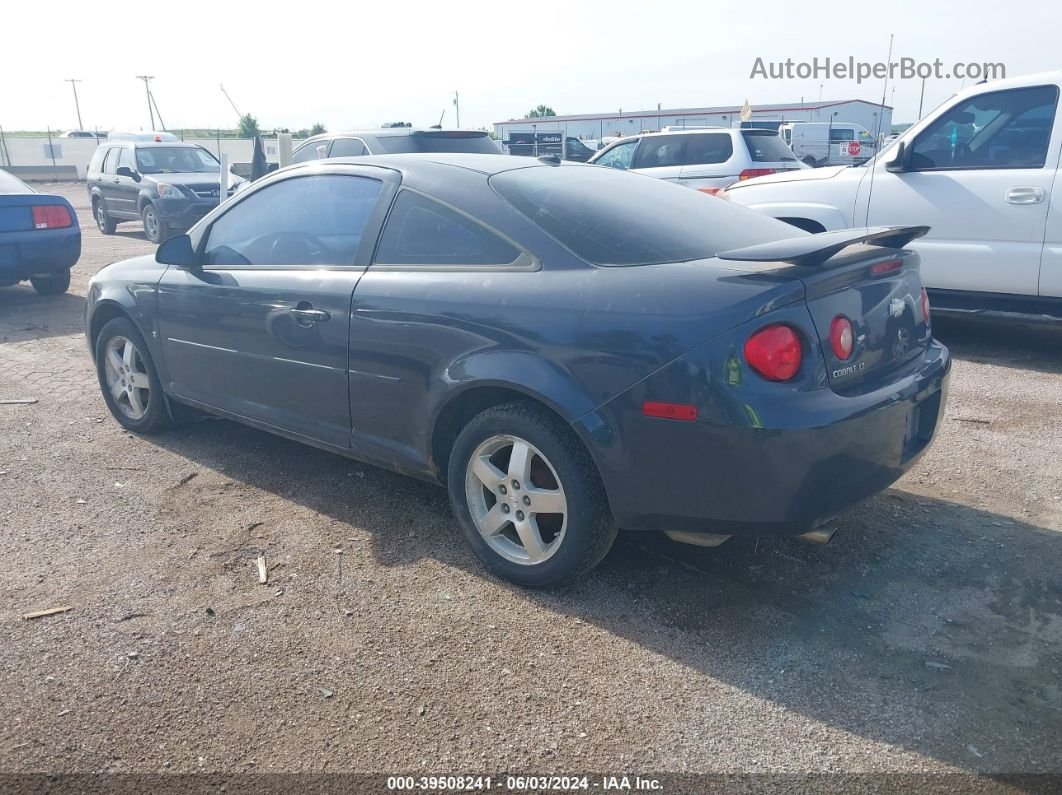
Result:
pixel 126 158
pixel 709 148
pixel 110 162
pixel 619 156
pixel 347 147
pixel 1001 129
pixel 420 231
pixel 96 163
pixel 311 220
pixel 841 134
pixel 661 150
pixel 315 151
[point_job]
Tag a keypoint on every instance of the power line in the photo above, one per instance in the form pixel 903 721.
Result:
pixel 147 90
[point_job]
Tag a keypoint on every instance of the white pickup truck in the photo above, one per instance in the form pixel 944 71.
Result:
pixel 980 171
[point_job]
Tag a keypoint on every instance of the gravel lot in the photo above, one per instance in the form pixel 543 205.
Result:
pixel 927 637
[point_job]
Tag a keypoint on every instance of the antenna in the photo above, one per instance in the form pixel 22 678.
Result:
pixel 226 93
pixel 441 117
pixel 877 136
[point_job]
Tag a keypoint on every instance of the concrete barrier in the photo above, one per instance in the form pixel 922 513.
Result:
pixel 43 173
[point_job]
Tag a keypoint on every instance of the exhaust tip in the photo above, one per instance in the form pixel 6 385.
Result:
pixel 820 535
pixel 696 539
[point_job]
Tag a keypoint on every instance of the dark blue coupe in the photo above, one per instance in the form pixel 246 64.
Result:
pixel 40 239
pixel 570 349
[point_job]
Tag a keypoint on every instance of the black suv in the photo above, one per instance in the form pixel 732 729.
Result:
pixel 168 186
pixel 394 141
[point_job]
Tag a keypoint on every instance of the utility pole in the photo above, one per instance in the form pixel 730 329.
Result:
pixel 147 90
pixel 457 106
pixel 73 81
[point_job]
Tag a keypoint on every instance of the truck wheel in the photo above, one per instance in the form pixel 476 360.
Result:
pixel 155 228
pixel 52 284
pixel 810 161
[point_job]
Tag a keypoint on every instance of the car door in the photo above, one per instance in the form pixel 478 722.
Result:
pixel 407 324
pixel 1051 262
pixel 260 328
pixel 706 163
pixel 980 176
pixel 126 189
pixel 661 156
pixel 109 183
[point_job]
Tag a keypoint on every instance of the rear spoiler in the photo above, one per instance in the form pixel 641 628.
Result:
pixel 812 250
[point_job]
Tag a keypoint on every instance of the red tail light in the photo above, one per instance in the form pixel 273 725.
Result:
pixel 841 337
pixel 669 411
pixel 710 191
pixel 50 216
pixel 886 267
pixel 774 352
pixel 749 173
pixel 925 305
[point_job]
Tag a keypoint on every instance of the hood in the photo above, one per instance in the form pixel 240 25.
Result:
pixel 138 270
pixel 801 175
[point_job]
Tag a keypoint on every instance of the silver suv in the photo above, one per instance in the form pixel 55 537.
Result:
pixel 394 141
pixel 706 159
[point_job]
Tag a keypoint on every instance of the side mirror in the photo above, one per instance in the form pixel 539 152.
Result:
pixel 902 161
pixel 177 251
pixel 125 171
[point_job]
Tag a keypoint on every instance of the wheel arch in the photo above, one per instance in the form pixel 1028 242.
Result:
pixel 103 313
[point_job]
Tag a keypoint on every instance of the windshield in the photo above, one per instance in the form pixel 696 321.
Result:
pixel 610 217
pixel 175 160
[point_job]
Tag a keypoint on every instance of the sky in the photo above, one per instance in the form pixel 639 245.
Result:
pixel 356 65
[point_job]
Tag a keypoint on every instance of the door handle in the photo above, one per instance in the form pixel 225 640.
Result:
pixel 1025 195
pixel 306 315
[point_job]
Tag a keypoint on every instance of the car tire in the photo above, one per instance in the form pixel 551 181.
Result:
pixel 52 284
pixel 155 229
pixel 535 549
pixel 136 402
pixel 104 222
pixel 810 161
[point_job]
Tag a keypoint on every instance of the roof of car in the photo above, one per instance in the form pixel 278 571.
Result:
pixel 482 163
pixel 383 132
pixel 153 144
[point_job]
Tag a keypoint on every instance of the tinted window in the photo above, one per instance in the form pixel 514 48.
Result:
pixel 608 217
pixel 444 141
pixel 619 156
pixel 318 150
pixel 709 148
pixel 840 134
pixel 174 160
pixel 1002 129
pixel 420 231
pixel 313 220
pixel 660 150
pixel 766 146
pixel 96 163
pixel 347 147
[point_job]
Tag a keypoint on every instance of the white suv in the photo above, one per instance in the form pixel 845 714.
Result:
pixel 980 171
pixel 707 159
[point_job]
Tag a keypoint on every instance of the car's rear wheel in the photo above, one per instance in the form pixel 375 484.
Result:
pixel 52 284
pixel 104 222
pixel 128 379
pixel 155 228
pixel 528 496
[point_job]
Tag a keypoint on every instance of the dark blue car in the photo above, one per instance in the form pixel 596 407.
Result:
pixel 570 349
pixel 40 239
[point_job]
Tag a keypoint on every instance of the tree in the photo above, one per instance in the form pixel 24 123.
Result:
pixel 541 112
pixel 318 128
pixel 248 126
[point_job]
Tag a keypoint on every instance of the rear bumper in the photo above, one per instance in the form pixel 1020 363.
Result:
pixel 773 469
pixel 38 251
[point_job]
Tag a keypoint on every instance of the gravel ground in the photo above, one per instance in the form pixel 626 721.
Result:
pixel 927 637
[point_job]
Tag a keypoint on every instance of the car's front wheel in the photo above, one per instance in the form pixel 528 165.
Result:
pixel 155 228
pixel 52 284
pixel 528 496
pixel 128 379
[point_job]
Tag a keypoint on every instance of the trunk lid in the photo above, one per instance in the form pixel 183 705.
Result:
pixel 865 277
pixel 16 214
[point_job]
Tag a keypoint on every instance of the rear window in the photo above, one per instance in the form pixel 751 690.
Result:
pixel 765 146
pixel 610 217
pixel 10 184
pixel 474 142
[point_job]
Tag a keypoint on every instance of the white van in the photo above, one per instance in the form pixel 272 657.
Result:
pixel 981 172
pixel 826 144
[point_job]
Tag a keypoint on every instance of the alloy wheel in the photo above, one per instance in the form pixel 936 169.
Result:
pixel 127 377
pixel 516 500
